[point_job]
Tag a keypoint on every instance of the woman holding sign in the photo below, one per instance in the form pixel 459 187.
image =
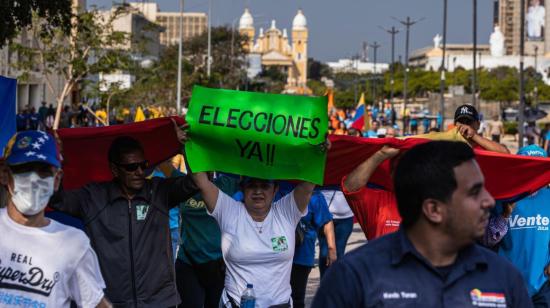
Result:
pixel 258 237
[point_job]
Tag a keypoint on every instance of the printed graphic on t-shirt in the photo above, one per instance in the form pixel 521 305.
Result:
pixel 193 203
pixel 487 299
pixel 141 211
pixel 279 244
pixel 392 223
pixel 540 223
pixel 21 274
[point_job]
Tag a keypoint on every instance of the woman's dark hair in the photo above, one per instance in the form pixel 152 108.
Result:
pixel 426 171
pixel 121 146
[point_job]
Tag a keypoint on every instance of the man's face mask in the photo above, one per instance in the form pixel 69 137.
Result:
pixel 31 193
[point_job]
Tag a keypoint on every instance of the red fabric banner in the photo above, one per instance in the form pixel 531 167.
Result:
pixel 506 175
pixel 85 149
pixel 85 153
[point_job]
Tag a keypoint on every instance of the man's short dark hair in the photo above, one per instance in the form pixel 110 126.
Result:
pixel 426 171
pixel 121 146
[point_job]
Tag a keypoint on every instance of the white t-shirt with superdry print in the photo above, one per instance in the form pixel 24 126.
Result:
pixel 47 267
pixel 264 258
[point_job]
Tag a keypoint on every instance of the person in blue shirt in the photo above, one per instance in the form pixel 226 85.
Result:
pixel 375 111
pixel 426 123
pixel 432 260
pixel 372 132
pixel 527 241
pixel 439 121
pixel 34 119
pixel 318 217
pixel 22 120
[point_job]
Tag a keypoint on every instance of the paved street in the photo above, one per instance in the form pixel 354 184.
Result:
pixel 356 239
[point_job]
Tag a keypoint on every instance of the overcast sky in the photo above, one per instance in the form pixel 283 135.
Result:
pixel 337 28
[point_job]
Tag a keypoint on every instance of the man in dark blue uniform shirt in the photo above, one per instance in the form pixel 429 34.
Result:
pixel 432 261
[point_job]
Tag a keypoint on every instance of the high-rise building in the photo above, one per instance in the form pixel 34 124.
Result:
pixel 536 18
pixel 194 23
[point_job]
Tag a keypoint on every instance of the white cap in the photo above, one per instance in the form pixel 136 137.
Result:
pixel 381 131
pixel 246 20
pixel 299 21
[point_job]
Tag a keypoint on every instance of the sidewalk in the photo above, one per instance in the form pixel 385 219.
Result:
pixel 356 239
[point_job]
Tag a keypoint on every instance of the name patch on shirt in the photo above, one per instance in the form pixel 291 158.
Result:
pixel 399 295
pixel 141 211
pixel 487 299
pixel 279 243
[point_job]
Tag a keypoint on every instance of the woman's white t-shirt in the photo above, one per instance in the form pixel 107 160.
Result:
pixel 337 204
pixel 262 259
pixel 47 267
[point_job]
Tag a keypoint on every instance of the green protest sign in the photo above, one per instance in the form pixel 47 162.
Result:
pixel 270 136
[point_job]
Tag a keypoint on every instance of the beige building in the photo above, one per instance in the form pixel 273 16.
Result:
pixel 194 23
pixel 509 20
pixel 140 29
pixel 33 90
pixel 276 48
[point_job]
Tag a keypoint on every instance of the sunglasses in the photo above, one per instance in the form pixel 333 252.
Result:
pixel 134 166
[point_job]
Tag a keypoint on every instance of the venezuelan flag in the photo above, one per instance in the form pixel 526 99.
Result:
pixel 361 118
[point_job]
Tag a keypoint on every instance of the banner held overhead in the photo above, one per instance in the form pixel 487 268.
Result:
pixel 270 136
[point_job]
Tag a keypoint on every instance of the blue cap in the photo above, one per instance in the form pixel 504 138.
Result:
pixel 32 146
pixel 532 150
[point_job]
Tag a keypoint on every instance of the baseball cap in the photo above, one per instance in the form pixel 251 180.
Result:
pixel 532 150
pixel 31 146
pixel 381 132
pixel 466 111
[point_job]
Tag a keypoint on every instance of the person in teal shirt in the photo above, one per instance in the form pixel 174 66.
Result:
pixel 200 270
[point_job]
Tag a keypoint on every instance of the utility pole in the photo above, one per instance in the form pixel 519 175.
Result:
pixel 442 68
pixel 209 57
pixel 392 32
pixel 521 111
pixel 180 55
pixel 407 23
pixel 474 53
pixel 355 67
pixel 374 46
pixel 536 89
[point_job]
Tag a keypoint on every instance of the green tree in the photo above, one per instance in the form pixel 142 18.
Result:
pixel 318 88
pixel 92 47
pixel 157 85
pixel 317 70
pixel 17 15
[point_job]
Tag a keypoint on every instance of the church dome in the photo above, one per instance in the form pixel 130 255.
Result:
pixel 246 20
pixel 299 21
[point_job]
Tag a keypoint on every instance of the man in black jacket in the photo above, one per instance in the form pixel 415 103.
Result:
pixel 128 225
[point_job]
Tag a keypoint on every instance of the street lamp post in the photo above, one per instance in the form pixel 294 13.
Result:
pixel 474 53
pixel 374 46
pixel 521 112
pixel 209 57
pixel 355 66
pixel 442 80
pixel 180 47
pixel 392 32
pixel 407 23
pixel 536 89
